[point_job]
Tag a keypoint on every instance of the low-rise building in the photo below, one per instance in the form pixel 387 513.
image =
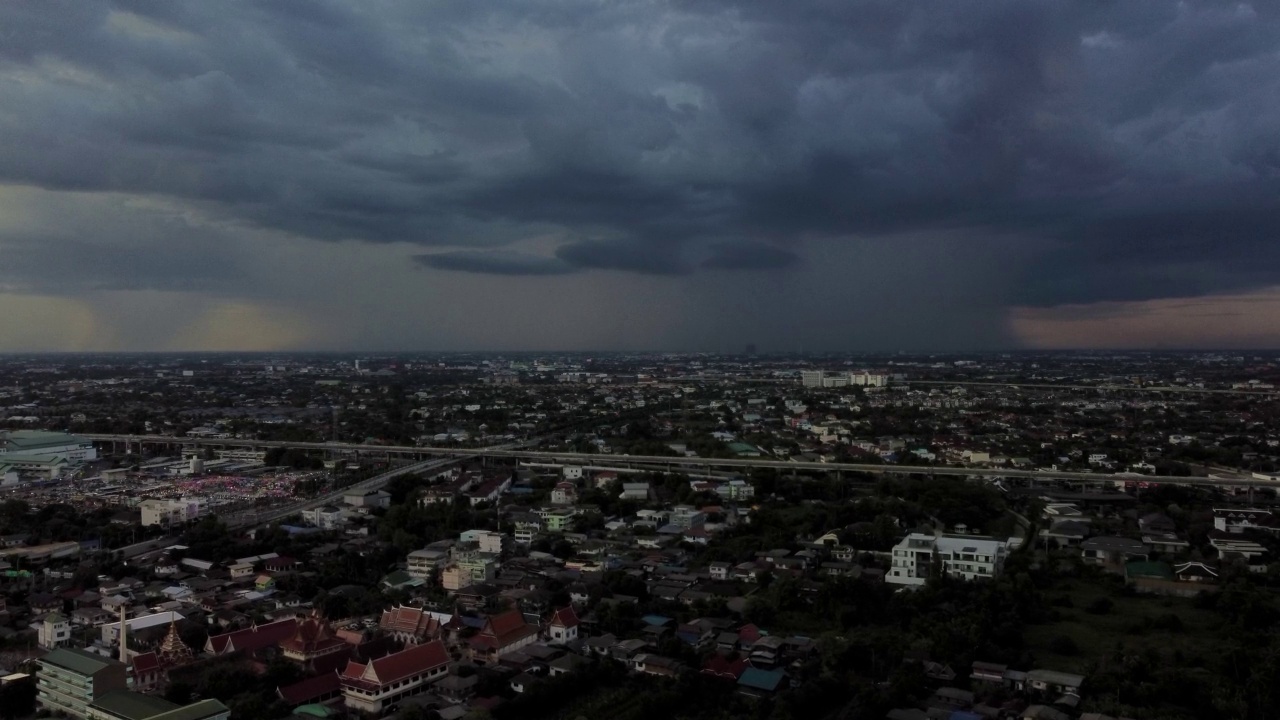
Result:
pixel 128 705
pixel 486 541
pixel 423 564
pixel 469 567
pixel 1112 552
pixel 635 491
pixel 369 499
pixel 968 558
pixel 70 680
pixel 563 626
pixel 157 511
pixel 502 634
pixel 374 686
pixel 1237 520
pixel 325 517
pixel 54 631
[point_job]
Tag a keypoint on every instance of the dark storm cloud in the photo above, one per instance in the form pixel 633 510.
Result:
pixel 651 258
pixel 1136 141
pixel 494 262
pixel 748 256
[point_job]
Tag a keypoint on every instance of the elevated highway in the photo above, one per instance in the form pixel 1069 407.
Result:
pixel 683 463
pixel 250 518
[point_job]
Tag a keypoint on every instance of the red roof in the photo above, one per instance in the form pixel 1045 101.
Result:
pixel 254 638
pixel 721 667
pixel 409 620
pixel 749 633
pixel 397 666
pixel 565 617
pixel 310 689
pixel 503 630
pixel 313 635
pixel 145 662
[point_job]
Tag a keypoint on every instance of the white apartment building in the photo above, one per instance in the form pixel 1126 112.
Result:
pixel 867 379
pixel 965 558
pixel 156 511
pixel 487 541
pixel 811 378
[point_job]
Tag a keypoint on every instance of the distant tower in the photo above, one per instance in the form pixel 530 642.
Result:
pixel 751 348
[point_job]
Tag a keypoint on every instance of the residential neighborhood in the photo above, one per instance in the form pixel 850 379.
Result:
pixel 513 587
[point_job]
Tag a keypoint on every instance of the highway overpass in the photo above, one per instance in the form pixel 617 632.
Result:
pixel 685 463
pixel 263 516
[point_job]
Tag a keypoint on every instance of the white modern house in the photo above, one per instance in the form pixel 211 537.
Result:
pixel 966 558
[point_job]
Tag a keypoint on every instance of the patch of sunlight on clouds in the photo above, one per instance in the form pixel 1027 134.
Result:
pixel 54 324
pixel 1244 320
pixel 240 325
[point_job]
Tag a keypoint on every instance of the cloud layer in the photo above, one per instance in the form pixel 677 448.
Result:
pixel 1092 151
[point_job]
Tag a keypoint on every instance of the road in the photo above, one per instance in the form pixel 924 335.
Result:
pixel 696 463
pixel 270 515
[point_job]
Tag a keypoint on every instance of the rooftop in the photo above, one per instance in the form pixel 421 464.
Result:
pixel 81 662
pixel 129 705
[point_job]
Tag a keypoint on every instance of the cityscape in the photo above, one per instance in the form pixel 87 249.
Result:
pixel 1032 535
pixel 639 360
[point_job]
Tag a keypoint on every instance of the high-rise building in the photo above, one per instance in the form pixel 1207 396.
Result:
pixel 811 378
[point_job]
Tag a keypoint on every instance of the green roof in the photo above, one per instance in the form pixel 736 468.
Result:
pixel 1148 569
pixel 129 705
pixel 315 710
pixel 77 661
pixel 18 440
pixel 195 711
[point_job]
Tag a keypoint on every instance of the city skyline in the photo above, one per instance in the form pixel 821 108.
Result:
pixel 658 175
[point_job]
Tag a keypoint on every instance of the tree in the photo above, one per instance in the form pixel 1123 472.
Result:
pixel 179 692
pixel 17 699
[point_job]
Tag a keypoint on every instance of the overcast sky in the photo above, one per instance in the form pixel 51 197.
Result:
pixel 622 174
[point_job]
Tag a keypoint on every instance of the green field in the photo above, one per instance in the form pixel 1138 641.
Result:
pixel 1097 635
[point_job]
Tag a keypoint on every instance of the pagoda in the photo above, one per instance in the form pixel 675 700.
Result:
pixel 173 651
pixel 150 670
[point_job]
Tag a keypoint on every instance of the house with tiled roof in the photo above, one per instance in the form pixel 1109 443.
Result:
pixel 502 634
pixel 318 689
pixel 312 639
pixel 563 626
pixel 719 666
pixel 411 625
pixel 252 639
pixel 374 686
